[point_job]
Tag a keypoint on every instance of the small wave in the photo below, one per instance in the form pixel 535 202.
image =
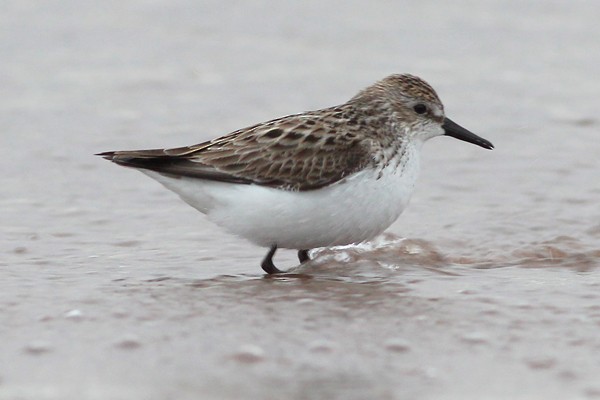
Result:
pixel 387 249
pixel 562 251
pixel 378 260
pixel 394 253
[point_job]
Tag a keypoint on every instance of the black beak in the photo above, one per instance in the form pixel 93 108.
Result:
pixel 456 131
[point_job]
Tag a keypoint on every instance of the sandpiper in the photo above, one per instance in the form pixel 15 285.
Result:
pixel 335 176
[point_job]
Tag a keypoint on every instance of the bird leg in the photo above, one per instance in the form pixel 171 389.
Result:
pixel 303 256
pixel 267 263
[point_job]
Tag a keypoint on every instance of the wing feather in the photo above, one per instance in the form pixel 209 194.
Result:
pixel 298 152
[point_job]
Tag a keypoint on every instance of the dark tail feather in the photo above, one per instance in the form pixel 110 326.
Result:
pixel 148 159
pixel 166 164
pixel 107 155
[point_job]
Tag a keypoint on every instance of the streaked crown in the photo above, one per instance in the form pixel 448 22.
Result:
pixel 404 92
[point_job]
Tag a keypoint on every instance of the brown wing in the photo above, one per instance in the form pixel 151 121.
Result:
pixel 298 152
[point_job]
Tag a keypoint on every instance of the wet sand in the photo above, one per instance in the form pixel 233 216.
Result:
pixel 112 288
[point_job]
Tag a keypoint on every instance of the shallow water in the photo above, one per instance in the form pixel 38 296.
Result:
pixel 112 288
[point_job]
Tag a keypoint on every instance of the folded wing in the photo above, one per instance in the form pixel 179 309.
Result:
pixel 298 152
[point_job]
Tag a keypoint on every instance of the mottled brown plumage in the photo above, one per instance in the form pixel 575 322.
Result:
pixel 321 178
pixel 304 151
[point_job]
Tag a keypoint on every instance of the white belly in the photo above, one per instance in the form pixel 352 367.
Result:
pixel 351 211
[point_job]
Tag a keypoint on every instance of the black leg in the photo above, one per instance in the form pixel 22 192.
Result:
pixel 267 263
pixel 303 256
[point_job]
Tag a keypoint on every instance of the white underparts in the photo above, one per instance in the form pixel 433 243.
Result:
pixel 353 210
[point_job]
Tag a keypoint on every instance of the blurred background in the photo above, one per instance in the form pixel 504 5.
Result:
pixel 487 286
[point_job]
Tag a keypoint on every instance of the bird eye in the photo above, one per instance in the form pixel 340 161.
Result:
pixel 420 108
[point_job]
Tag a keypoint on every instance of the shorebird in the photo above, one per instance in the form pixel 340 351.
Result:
pixel 329 177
